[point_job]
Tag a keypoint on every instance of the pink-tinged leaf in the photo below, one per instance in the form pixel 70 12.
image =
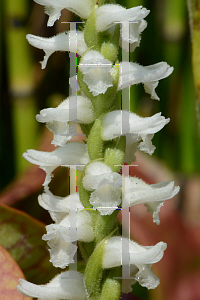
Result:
pixel 10 273
pixel 21 235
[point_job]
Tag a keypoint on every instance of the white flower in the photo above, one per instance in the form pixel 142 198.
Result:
pixel 133 18
pixel 53 8
pixel 106 186
pixel 97 72
pixel 132 73
pixel 76 108
pixel 140 256
pixel 66 41
pixel 71 154
pixel 109 13
pixel 136 191
pixel 67 285
pixel 60 240
pixel 138 130
pixel 59 207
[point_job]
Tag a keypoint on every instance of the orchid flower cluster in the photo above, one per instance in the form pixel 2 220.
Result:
pixel 87 218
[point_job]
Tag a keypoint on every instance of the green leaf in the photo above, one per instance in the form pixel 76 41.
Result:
pixel 10 273
pixel 21 235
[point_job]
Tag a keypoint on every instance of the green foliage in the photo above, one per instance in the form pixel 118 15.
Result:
pixel 21 235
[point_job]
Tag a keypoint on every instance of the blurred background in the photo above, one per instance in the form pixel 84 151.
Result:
pixel 172 35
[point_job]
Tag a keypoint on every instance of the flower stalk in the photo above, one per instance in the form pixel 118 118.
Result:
pixel 113 137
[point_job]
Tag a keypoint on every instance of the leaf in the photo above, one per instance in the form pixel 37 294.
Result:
pixel 9 274
pixel 21 236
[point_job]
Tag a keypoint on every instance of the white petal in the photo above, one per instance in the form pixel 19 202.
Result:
pixel 62 132
pixel 60 237
pixel 59 207
pixel 84 228
pixel 76 108
pixel 53 8
pixel 149 75
pixel 71 154
pixel 66 41
pixel 146 145
pixel 60 204
pixel 106 199
pixel 109 13
pixel 61 253
pixel 97 72
pixel 132 145
pixel 112 124
pixel 130 34
pixel 139 256
pixel 147 278
pixel 136 191
pixel 65 111
pixel 67 285
pixel 98 174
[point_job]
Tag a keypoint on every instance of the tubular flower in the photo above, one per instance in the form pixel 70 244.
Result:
pixel 70 154
pixel 149 76
pixel 136 191
pixel 139 128
pixel 133 18
pixel 60 240
pixel 58 120
pixel 139 256
pixel 97 72
pixel 59 207
pixel 67 285
pixel 61 42
pixel 105 184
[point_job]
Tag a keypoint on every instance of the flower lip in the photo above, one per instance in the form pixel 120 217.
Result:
pixel 96 72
